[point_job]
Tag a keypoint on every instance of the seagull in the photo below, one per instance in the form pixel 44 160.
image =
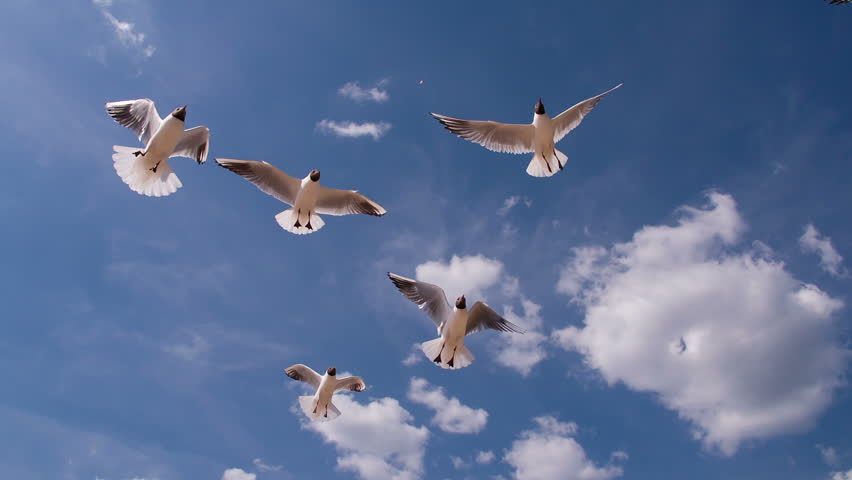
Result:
pixel 539 137
pixel 306 196
pixel 319 406
pixel 147 171
pixel 448 350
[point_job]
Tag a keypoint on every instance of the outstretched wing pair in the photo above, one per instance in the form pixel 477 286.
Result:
pixel 304 373
pixel 142 117
pixel 273 181
pixel 432 300
pixel 516 138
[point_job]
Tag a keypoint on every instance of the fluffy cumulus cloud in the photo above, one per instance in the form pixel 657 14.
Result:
pixel 847 475
pixel 549 452
pixel 522 352
pixel 472 276
pixel 377 441
pixel 354 129
pixel 450 414
pixel 374 94
pixel 812 241
pixel 237 474
pixel 469 275
pixel 728 339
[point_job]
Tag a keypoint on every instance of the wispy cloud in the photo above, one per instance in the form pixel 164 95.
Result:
pixel 451 415
pixel 511 203
pixel 374 94
pixel 125 32
pixel 812 241
pixel 829 455
pixel 262 467
pixel 354 129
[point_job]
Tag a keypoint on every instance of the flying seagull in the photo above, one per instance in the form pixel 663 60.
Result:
pixel 147 171
pixel 539 137
pixel 319 406
pixel 306 196
pixel 839 2
pixel 448 350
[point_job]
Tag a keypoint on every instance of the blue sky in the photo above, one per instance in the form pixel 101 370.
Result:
pixel 682 280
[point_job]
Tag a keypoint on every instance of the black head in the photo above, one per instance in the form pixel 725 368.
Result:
pixel 331 371
pixel 180 113
pixel 314 175
pixel 461 303
pixel 539 107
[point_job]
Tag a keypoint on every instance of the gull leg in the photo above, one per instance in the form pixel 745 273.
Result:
pixel 138 152
pixel 308 226
pixel 450 363
pixel 298 214
pixel 546 163
pixel 438 358
pixel 557 159
pixel 154 168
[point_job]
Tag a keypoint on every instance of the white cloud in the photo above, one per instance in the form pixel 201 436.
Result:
pixel 353 129
pixel 522 352
pixel 484 457
pixel 468 275
pixel 548 452
pixel 262 467
pixel 125 32
pixel 237 474
pixel 829 455
pixel 730 341
pixel 450 414
pixel 458 462
pixel 377 440
pixel 356 92
pixel 842 475
pixel 812 242
pixel 414 356
pixel 511 202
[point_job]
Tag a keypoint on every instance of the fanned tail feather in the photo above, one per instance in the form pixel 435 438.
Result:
pixel 287 220
pixel 136 173
pixel 317 413
pixel 538 164
pixel 433 350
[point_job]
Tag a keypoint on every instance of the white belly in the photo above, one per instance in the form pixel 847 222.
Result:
pixel 163 143
pixel 306 200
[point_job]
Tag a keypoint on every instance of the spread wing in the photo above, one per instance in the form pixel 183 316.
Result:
pixel 495 136
pixel 346 202
pixel 303 373
pixel 138 115
pixel 267 178
pixel 569 119
pixel 430 298
pixel 353 384
pixel 194 144
pixel 481 316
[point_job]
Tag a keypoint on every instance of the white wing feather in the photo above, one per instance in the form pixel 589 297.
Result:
pixel 495 136
pixel 267 178
pixel 140 115
pixel 194 144
pixel 569 119
pixel 331 201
